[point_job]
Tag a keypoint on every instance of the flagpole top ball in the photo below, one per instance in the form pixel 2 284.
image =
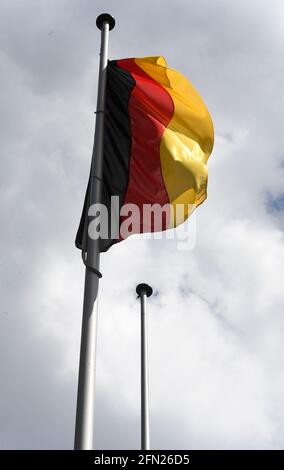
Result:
pixel 144 289
pixel 105 18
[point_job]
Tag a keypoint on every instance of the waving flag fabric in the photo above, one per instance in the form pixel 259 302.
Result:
pixel 158 138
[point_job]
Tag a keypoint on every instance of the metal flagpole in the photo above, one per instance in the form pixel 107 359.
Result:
pixel 144 291
pixel 87 368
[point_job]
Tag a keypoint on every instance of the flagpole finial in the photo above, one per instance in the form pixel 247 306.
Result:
pixel 144 288
pixel 105 18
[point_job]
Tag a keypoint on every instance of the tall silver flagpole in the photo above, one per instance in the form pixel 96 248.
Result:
pixel 144 291
pixel 86 383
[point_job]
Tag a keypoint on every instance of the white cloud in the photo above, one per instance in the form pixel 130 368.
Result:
pixel 215 327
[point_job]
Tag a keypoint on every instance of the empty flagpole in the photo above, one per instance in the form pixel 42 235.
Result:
pixel 84 426
pixel 144 291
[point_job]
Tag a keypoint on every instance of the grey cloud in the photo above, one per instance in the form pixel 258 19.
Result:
pixel 210 387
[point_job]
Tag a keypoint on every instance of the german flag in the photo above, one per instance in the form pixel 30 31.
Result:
pixel 158 137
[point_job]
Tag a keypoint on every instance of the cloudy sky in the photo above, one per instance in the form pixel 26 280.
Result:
pixel 216 324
